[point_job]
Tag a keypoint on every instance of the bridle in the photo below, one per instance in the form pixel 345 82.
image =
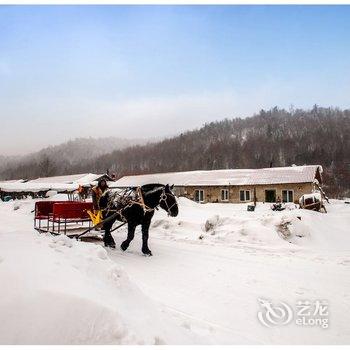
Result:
pixel 163 198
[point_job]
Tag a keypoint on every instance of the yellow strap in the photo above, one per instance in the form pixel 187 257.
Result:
pixel 95 217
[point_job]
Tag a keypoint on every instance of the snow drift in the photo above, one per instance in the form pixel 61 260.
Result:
pixel 56 290
pixel 210 266
pixel 232 225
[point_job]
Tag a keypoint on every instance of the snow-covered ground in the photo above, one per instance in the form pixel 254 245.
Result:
pixel 210 267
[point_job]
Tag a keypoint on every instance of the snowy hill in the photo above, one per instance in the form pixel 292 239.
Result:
pixel 56 290
pixel 62 158
pixel 276 136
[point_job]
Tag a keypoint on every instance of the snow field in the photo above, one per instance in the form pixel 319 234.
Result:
pixel 210 266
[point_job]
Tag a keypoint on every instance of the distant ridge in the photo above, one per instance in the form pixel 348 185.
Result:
pixel 270 138
pixel 59 159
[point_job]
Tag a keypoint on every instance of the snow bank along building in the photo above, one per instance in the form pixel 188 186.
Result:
pixel 236 185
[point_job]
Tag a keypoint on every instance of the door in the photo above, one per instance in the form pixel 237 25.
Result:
pixel 270 196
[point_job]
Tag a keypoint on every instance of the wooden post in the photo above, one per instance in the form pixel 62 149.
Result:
pixel 254 197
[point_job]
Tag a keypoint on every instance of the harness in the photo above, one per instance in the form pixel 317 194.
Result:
pixel 125 197
pixel 145 207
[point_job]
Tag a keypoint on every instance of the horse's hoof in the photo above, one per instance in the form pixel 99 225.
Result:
pixel 110 245
pixel 124 246
pixel 147 252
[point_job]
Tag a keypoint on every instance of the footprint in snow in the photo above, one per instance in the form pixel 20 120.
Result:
pixel 159 341
pixel 59 250
pixel 302 291
pixel 186 325
pixel 344 262
pixel 102 254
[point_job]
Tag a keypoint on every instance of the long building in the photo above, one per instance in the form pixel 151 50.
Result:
pixel 287 184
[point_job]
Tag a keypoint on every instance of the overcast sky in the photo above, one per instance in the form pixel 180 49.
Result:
pixel 144 71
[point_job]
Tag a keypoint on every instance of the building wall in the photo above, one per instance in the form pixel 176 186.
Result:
pixel 213 193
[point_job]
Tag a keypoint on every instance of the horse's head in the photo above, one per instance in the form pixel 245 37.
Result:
pixel 168 201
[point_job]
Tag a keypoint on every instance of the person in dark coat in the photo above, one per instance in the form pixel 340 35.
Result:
pixel 97 193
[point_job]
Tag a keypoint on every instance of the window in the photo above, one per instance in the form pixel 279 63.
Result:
pixel 287 196
pixel 199 195
pixel 224 195
pixel 244 195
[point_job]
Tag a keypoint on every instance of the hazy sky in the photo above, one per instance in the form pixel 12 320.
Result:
pixel 143 71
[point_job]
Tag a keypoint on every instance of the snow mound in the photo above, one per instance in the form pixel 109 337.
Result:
pixel 264 231
pixel 232 224
pixel 60 291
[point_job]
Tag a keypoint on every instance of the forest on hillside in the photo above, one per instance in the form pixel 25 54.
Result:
pixel 60 159
pixel 275 137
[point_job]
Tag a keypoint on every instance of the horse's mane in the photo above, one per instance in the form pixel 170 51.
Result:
pixel 150 188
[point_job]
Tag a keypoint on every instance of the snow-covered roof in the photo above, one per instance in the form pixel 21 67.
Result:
pixel 81 179
pixel 55 183
pixel 265 176
pixel 37 187
pixel 4 182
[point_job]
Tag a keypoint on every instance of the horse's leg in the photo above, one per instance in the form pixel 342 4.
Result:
pixel 131 234
pixel 108 238
pixel 145 228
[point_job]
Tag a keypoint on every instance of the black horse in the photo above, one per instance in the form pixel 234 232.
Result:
pixel 137 212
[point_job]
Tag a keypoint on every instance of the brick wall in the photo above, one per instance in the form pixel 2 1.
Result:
pixel 213 193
